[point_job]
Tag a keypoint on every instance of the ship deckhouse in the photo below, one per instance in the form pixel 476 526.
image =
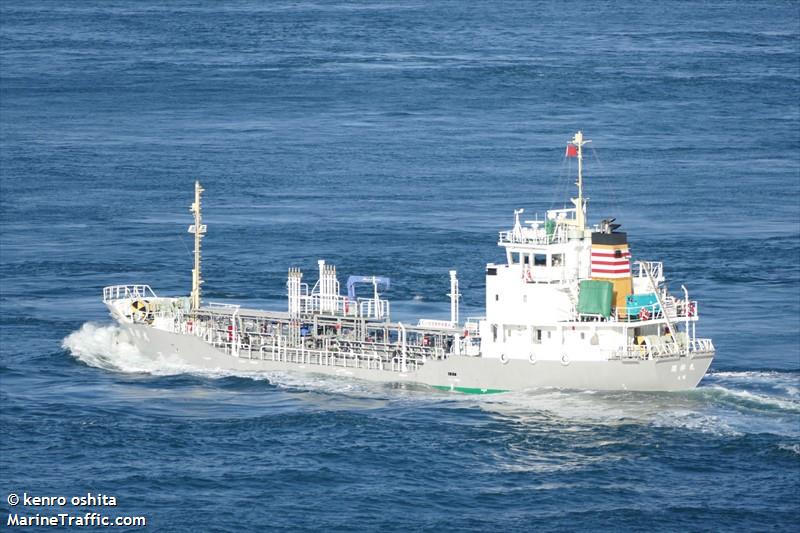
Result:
pixel 568 288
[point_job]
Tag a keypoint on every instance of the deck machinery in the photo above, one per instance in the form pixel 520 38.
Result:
pixel 321 327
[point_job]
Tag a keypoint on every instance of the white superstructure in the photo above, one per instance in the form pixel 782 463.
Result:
pixel 568 307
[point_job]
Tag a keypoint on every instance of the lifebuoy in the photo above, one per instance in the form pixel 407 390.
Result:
pixel 528 275
pixel 189 326
pixel 230 333
pixel 644 314
pixel 346 305
pixel 691 309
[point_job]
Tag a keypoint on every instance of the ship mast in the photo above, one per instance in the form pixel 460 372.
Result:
pixel 199 229
pixel 580 214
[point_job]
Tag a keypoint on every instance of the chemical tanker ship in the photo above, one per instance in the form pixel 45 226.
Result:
pixel 567 307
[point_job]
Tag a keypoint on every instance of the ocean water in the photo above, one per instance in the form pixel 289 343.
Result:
pixel 394 138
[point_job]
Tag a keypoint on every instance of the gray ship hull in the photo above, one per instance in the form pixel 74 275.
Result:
pixel 457 373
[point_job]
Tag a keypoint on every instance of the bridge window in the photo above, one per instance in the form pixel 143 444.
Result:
pixel 540 260
pixel 557 260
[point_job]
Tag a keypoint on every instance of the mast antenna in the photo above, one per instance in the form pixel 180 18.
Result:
pixel 580 214
pixel 199 230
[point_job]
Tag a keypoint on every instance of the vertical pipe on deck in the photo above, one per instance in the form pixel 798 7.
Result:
pixel 403 367
pixel 686 312
pixel 454 298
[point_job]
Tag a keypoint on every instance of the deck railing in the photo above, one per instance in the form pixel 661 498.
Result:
pixel 656 269
pixel 281 353
pixel 533 236
pixel 341 305
pixel 658 348
pixel 674 309
pixel 472 324
pixel 120 292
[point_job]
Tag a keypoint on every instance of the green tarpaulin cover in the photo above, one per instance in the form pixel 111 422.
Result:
pixel 595 297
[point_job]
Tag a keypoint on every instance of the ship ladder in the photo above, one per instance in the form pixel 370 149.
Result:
pixel 646 268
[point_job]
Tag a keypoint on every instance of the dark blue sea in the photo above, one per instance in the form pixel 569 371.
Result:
pixel 394 138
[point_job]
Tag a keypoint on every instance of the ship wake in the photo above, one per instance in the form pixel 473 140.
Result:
pixel 725 404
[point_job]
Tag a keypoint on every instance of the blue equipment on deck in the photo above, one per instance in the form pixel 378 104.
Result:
pixel 635 302
pixel 381 281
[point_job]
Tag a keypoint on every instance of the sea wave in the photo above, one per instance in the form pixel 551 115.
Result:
pixel 767 404
pixel 793 448
pixel 785 382
pixel 746 399
pixel 102 346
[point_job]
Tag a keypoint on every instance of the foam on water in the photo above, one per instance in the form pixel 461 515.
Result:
pixel 745 399
pixel 716 409
pixel 787 383
pixel 794 448
pixel 101 346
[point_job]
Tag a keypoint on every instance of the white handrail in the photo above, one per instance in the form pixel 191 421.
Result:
pixel 532 236
pixel 121 292
pixel 656 268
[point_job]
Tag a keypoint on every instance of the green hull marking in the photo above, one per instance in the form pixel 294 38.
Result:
pixel 468 390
